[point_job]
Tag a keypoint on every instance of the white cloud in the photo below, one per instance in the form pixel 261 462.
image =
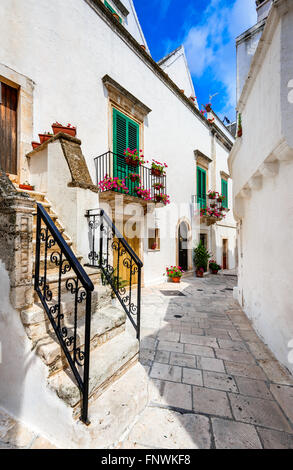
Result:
pixel 211 43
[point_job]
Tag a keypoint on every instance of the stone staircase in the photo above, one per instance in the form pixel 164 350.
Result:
pixel 114 349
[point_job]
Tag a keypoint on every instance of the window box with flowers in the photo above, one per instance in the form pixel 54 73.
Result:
pixel 174 273
pixel 158 168
pixel 69 129
pixel 114 184
pixel 133 157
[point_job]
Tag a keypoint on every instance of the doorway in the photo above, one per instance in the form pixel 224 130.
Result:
pixel 8 128
pixel 225 253
pixel 182 248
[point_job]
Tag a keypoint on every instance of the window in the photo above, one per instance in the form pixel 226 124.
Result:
pixel 201 187
pixel 225 192
pixel 154 239
pixel 8 128
pixel 107 5
pixel 125 135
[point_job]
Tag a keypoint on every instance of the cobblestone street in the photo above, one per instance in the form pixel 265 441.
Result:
pixel 213 383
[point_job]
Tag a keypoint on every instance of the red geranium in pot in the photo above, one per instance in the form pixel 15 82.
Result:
pixel 158 168
pixel 174 273
pixel 133 157
pixel 69 129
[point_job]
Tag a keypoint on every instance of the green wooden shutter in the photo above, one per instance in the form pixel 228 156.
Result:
pixel 125 135
pixel 201 187
pixel 107 5
pixel 225 193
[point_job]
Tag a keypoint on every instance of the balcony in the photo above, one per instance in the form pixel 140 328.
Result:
pixel 212 207
pixel 137 182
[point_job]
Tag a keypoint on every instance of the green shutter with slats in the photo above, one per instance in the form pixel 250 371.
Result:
pixel 201 187
pixel 107 5
pixel 225 193
pixel 125 135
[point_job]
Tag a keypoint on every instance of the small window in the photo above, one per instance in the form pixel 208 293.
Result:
pixel 154 239
pixel 107 5
pixel 225 193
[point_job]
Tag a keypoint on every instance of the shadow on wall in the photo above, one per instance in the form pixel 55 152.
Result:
pixel 16 361
pixel 176 416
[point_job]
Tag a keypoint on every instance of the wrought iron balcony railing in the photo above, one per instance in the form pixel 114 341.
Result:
pixel 113 165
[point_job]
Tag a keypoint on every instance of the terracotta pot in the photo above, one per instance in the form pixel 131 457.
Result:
pixel 176 279
pixel 214 271
pixel 134 179
pixel 208 108
pixel 199 274
pixel 239 133
pixel 26 187
pixel 116 16
pixel 182 91
pixel 66 130
pixel 44 137
pixel 35 145
pixel 131 162
pixel 143 47
pixel 158 198
pixel 156 172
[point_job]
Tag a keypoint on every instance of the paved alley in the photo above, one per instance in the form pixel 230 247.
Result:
pixel 213 383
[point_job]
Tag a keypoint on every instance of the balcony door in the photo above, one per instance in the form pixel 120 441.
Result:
pixel 8 128
pixel 125 135
pixel 201 187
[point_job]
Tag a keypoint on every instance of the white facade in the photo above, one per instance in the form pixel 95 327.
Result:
pixel 63 54
pixel 262 171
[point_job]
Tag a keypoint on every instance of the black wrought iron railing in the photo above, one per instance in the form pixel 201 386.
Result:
pixel 120 266
pixel 54 260
pixel 114 165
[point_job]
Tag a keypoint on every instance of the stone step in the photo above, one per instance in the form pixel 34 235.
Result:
pixel 105 325
pixel 37 195
pixel 107 363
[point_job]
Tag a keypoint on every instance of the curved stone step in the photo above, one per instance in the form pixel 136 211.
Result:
pixel 107 363
pixel 105 325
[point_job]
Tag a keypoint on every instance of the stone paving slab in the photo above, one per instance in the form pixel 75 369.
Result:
pixel 212 402
pixel 275 439
pixel 219 381
pixel 233 435
pixel 253 388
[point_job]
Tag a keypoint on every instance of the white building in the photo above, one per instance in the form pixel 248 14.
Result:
pixel 76 62
pixel 261 167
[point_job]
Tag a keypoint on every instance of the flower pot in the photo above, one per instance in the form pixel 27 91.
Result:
pixel 116 16
pixel 44 137
pixel 156 172
pixel 176 279
pixel 239 133
pixel 134 178
pixel 214 271
pixel 199 274
pixel 35 145
pixel 66 130
pixel 158 198
pixel 131 162
pixel 143 47
pixel 208 107
pixel 182 91
pixel 26 187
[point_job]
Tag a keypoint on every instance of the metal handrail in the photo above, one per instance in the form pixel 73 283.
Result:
pixel 103 258
pixel 80 286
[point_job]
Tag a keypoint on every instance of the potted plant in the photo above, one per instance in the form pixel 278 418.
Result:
pixel 114 184
pixel 154 246
pixel 143 193
pixel 45 136
pixel 69 129
pixel 158 186
pixel 163 198
pixel 143 47
pixel 208 107
pixel 158 168
pixel 26 186
pixel 133 157
pixel 201 257
pixel 174 273
pixel 134 177
pixel 212 194
pixel 35 145
pixel 214 267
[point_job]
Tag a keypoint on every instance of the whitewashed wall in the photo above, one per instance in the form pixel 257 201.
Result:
pixel 73 48
pixel 262 169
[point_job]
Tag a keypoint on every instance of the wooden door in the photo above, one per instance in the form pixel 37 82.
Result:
pixel 183 240
pixel 8 128
pixel 225 253
pixel 122 265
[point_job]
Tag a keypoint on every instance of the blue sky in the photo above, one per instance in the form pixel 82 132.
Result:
pixel 207 29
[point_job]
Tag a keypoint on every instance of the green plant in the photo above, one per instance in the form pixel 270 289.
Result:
pixel 174 271
pixel 201 256
pixel 214 266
